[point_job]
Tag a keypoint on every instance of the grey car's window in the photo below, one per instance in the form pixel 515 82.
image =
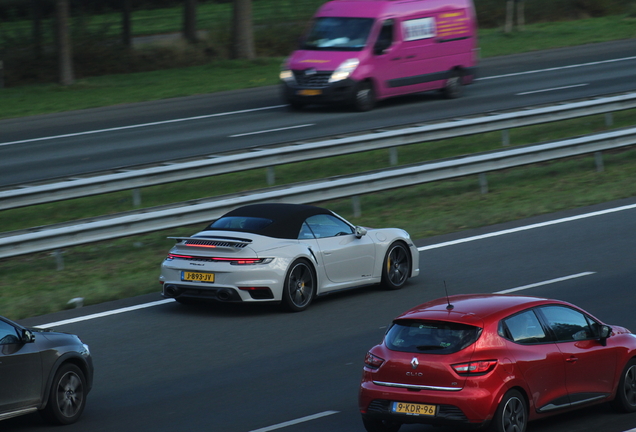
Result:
pixel 240 223
pixel 431 337
pixel 328 226
pixel 8 334
pixel 525 328
pixel 569 324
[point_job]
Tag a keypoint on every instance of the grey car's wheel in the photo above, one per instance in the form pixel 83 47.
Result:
pixel 625 400
pixel 296 105
pixel 396 267
pixel 300 286
pixel 453 87
pixel 364 97
pixel 512 413
pixel 67 396
pixel 377 425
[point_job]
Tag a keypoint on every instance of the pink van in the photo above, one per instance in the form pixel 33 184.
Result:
pixel 360 51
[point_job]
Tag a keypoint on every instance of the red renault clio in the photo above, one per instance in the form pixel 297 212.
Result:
pixel 494 359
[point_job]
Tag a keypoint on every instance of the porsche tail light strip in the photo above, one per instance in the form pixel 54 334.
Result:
pixel 233 261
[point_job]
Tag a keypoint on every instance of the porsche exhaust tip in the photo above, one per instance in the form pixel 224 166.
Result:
pixel 171 291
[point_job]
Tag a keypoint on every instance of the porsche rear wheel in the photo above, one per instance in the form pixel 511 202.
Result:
pixel 300 286
pixel 397 266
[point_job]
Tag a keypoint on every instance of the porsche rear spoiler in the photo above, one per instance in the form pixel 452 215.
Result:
pixel 213 242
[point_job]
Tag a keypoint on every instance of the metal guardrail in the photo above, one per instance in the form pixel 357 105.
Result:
pixel 200 211
pixel 132 179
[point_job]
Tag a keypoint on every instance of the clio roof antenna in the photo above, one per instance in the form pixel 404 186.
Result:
pixel 450 306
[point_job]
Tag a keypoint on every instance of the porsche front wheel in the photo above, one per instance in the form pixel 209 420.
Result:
pixel 300 286
pixel 397 266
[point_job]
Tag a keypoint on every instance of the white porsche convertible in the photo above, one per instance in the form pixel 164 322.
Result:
pixel 285 253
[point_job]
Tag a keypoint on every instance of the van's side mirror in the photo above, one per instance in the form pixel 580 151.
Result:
pixel 605 333
pixel 360 231
pixel 381 45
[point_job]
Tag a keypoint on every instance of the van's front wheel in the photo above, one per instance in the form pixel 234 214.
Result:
pixel 364 97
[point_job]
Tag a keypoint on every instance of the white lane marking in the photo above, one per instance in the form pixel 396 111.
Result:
pixel 294 422
pixel 141 125
pixel 552 89
pixel 551 281
pixel 272 130
pixel 527 227
pixel 103 314
pixel 439 245
pixel 557 68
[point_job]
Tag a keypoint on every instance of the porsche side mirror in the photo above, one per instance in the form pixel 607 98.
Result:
pixel 605 333
pixel 27 336
pixel 360 231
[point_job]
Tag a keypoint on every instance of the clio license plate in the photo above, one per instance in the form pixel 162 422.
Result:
pixel 413 409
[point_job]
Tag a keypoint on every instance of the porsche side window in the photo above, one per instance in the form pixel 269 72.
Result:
pixel 305 232
pixel 569 324
pixel 524 328
pixel 8 334
pixel 328 226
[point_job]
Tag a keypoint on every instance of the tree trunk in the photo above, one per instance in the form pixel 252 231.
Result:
pixel 521 21
pixel 64 50
pixel 126 29
pixel 243 37
pixel 510 10
pixel 190 21
pixel 36 14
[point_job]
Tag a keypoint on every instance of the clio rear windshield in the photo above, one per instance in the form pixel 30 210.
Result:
pixel 431 337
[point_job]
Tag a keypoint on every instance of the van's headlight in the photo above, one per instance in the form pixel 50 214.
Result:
pixel 286 74
pixel 345 69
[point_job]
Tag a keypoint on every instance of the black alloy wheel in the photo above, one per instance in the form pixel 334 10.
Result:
pixel 512 413
pixel 625 400
pixel 300 286
pixel 397 266
pixel 67 397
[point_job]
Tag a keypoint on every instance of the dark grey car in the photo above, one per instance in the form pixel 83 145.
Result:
pixel 43 371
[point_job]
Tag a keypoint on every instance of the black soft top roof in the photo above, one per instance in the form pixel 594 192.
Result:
pixel 286 218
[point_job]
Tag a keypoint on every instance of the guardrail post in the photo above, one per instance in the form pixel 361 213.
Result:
pixel 59 259
pixel 609 119
pixel 483 183
pixel 393 156
pixel 136 198
pixel 505 138
pixel 271 176
pixel 355 200
pixel 598 158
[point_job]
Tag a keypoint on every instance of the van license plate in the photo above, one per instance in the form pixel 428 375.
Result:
pixel 197 277
pixel 413 409
pixel 309 92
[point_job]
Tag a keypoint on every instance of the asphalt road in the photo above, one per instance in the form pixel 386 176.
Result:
pixel 232 368
pixel 69 144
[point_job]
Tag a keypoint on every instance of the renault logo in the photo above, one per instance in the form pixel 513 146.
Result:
pixel 414 363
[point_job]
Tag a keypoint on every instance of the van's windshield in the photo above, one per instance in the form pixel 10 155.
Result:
pixel 338 34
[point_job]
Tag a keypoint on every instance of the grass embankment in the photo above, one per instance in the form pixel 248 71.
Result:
pixel 31 285
pixel 236 74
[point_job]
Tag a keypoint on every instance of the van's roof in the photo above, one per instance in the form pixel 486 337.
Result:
pixel 378 8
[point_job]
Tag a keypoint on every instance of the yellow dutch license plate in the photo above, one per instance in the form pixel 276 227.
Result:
pixel 414 409
pixel 309 92
pixel 197 276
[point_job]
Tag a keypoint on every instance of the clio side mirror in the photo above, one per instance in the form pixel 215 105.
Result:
pixel 605 333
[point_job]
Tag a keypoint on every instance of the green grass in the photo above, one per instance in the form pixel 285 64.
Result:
pixel 236 74
pixel 31 285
